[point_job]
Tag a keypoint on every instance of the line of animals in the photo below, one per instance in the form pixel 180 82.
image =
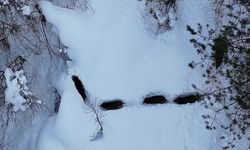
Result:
pixel 148 100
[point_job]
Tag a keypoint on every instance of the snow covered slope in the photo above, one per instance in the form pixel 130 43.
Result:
pixel 116 57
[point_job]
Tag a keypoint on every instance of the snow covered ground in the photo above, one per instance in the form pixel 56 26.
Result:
pixel 116 57
pixel 114 54
pixel 132 127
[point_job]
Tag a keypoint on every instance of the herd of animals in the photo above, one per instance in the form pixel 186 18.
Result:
pixel 148 100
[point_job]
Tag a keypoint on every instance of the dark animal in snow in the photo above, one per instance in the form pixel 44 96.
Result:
pixel 184 99
pixel 112 105
pixel 156 99
pixel 80 87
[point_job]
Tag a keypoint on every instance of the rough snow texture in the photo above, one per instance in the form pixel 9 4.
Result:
pixel 16 85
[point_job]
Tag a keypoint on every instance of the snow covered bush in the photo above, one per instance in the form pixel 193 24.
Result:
pixel 16 86
pixel 31 61
pixel 27 34
pixel 82 5
pixel 17 92
pixel 18 105
pixel 225 60
pixel 160 15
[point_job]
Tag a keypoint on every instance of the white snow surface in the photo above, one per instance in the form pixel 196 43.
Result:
pixel 116 57
pixel 155 127
pixel 72 128
pixel 170 126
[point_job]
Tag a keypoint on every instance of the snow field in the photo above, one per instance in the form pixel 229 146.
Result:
pixel 116 57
